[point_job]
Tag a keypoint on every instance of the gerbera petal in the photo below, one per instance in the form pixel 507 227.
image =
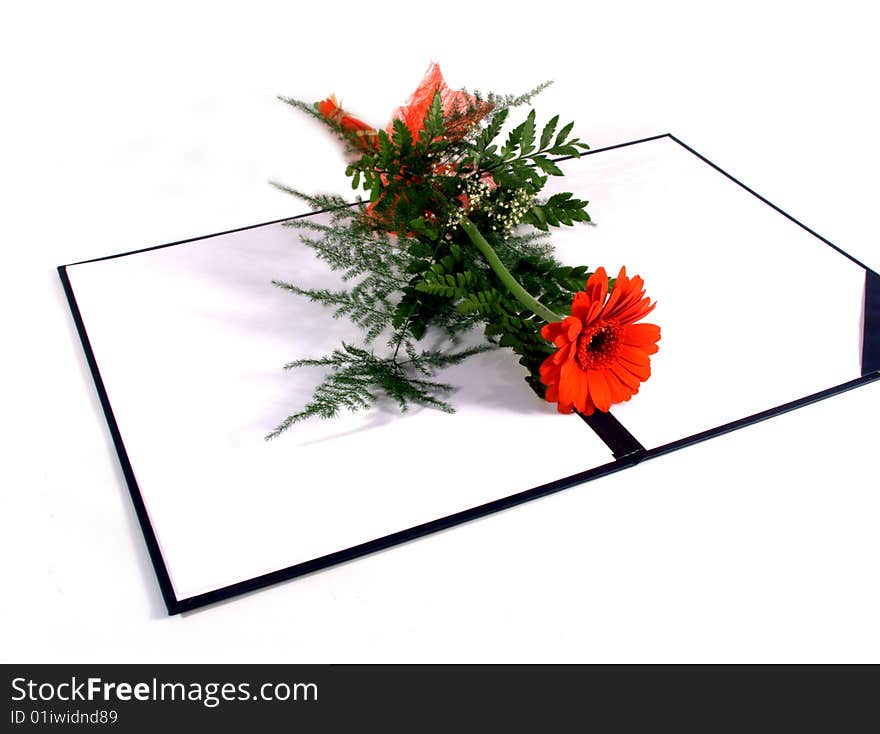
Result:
pixel 549 375
pixel 597 286
pixel 551 331
pixel 554 332
pixel 562 354
pixel 619 391
pixel 640 373
pixel 631 312
pixel 624 376
pixel 552 394
pixel 549 370
pixel 580 306
pixel 620 290
pixel 627 302
pixel 642 370
pixel 589 407
pixel 643 336
pixel 572 327
pixel 573 384
pixel 600 393
pixel 632 354
pixel 594 312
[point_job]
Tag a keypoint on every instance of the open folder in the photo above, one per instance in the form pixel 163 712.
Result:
pixel 186 341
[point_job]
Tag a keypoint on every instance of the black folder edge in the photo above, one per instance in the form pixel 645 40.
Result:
pixel 625 448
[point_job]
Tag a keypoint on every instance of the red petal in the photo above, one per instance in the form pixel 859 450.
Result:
pixel 635 355
pixel 549 371
pixel 599 390
pixel 590 407
pixel 580 306
pixel 627 302
pixel 621 289
pixel 597 286
pixel 562 354
pixel 572 327
pixel 619 391
pixel 641 368
pixel 626 378
pixel 634 311
pixel 643 336
pixel 551 331
pixel 573 385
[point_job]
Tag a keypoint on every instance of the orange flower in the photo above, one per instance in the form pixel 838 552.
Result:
pixel 460 109
pixel 602 355
pixel 364 136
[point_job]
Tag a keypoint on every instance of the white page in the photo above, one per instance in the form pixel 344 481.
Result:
pixel 190 341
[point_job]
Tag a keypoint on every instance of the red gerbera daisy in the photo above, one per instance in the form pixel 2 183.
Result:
pixel 603 355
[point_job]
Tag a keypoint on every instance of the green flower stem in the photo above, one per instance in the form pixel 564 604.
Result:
pixel 511 283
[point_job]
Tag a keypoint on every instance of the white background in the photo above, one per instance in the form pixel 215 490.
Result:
pixel 126 128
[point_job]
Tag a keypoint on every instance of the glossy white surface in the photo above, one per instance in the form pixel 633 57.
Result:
pixel 190 341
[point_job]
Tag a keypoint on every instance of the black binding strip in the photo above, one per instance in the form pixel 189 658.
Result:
pixel 762 416
pixel 871 328
pixel 140 509
pixel 615 436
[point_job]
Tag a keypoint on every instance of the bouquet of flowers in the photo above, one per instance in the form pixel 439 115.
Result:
pixel 454 236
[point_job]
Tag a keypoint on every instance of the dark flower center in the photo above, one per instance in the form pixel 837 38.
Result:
pixel 597 345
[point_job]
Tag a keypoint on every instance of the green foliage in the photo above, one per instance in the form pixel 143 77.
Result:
pixel 560 208
pixel 317 202
pixel 520 161
pixel 410 269
pixel 358 378
pixel 500 102
pixel 476 289
pixel 366 307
